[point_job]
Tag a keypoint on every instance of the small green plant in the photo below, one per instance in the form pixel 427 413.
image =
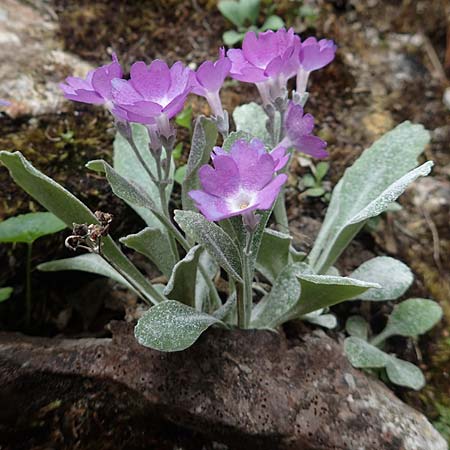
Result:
pixel 409 318
pixel 5 293
pixel 312 184
pixel 442 424
pixel 26 229
pixel 244 15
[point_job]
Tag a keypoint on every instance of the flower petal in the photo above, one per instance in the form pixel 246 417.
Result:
pixel 267 196
pixel 223 180
pixel 212 207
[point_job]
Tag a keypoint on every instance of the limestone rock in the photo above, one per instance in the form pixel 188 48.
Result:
pixel 248 389
pixel 32 60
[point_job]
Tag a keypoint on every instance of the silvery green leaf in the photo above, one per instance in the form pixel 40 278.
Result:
pixel 413 317
pixel 334 271
pixel 404 373
pixel 233 137
pixel 357 326
pixel 232 37
pixel 69 209
pixel 154 244
pixel 394 207
pixel 172 326
pixel 181 285
pixel 252 119
pixel 258 234
pixel 239 12
pixel 272 310
pixel 5 293
pixel 202 294
pixel 361 354
pixel 213 238
pixel 323 320
pixel 297 256
pixel 320 291
pixel 203 140
pixel 374 181
pixel 127 165
pixel 272 23
pixel 392 275
pixel 273 253
pixel 26 228
pixel 226 308
pixel 126 190
pixel 88 262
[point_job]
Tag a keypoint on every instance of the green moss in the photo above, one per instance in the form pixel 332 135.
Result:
pixel 59 145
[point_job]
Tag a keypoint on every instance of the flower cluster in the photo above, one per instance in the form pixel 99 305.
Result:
pixel 245 179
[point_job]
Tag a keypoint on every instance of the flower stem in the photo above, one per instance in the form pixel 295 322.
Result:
pixel 28 285
pixel 245 297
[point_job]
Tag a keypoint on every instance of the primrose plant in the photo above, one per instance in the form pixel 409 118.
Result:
pixel 221 235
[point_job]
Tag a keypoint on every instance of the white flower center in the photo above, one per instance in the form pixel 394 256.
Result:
pixel 242 200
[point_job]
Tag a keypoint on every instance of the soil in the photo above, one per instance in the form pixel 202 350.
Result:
pixel 390 67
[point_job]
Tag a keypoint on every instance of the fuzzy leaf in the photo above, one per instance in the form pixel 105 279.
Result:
pixel 239 12
pixel 26 228
pixel 374 181
pixel 361 354
pixel 232 37
pixel 181 285
pixel 203 140
pixel 88 262
pixel 69 209
pixel 128 191
pixel 404 373
pixel 323 320
pixel 358 327
pixel 273 253
pixel 271 311
pixel 251 119
pixel 392 275
pixel 154 244
pixel 273 23
pixel 321 291
pixel 172 326
pixel 226 308
pixel 202 293
pixel 233 137
pixel 413 317
pixel 5 293
pixel 213 238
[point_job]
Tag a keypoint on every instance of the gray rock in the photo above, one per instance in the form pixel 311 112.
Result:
pixel 245 389
pixel 32 60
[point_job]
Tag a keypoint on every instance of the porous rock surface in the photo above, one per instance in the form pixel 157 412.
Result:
pixel 248 389
pixel 33 62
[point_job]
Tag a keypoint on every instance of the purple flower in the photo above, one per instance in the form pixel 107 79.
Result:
pixel 313 55
pixel 268 60
pixel 298 128
pixel 154 93
pixel 209 78
pixel 4 102
pixel 96 88
pixel 242 181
